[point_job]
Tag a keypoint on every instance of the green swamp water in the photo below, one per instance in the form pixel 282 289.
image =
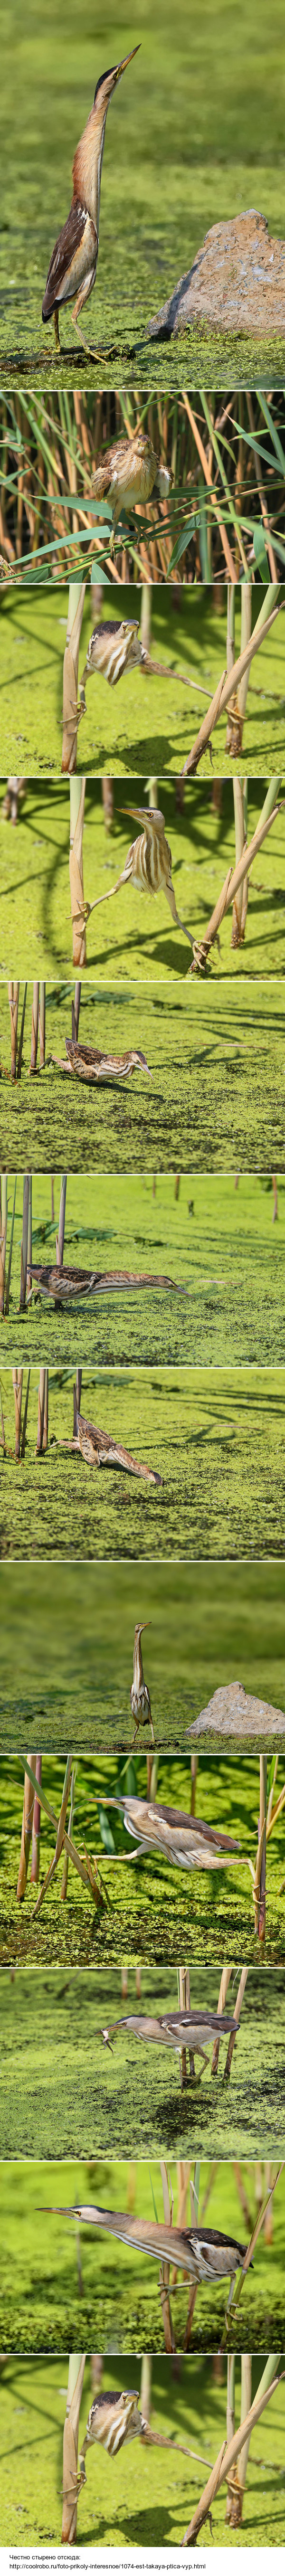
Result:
pixel 135 936
pixel 63 2286
pixel 180 152
pixel 215 1239
pixel 198 1915
pixel 208 1624
pixel 72 2095
pixel 216 1439
pixel 216 1095
pixel 145 726
pixel 143 2499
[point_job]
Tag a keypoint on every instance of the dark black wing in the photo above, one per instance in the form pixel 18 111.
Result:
pixel 64 250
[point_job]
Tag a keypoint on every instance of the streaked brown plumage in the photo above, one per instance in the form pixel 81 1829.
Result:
pixel 139 1693
pixel 203 2252
pixel 99 1449
pixel 175 2030
pixel 92 1065
pixel 128 472
pixel 185 1840
pixel 148 865
pixel 57 1281
pixel 115 648
pixel 112 2420
pixel 72 269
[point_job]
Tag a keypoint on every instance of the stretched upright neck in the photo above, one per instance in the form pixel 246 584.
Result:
pixel 138 1665
pixel 88 159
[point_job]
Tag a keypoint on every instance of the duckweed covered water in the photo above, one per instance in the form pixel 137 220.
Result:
pixel 135 936
pixel 115 2303
pixel 216 1439
pixel 219 1245
pixel 145 726
pixel 208 1624
pixel 198 1916
pixel 133 2507
pixel 216 1095
pixel 73 2094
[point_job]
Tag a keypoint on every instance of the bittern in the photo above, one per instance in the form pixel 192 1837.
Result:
pixel 139 1693
pixel 148 865
pixel 72 269
pixel 130 472
pixel 184 1840
pixel 176 2030
pixel 91 1064
pixel 112 2420
pixel 203 2252
pixel 100 1449
pixel 54 1279
pixel 115 648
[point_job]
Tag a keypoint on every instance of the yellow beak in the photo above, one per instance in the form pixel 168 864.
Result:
pixel 122 67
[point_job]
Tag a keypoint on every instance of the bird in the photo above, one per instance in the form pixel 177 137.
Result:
pixel 99 1449
pixel 112 2420
pixel 187 1841
pixel 148 865
pixel 72 269
pixel 205 2253
pixel 91 1064
pixel 115 647
pixel 62 1283
pixel 129 471
pixel 176 2030
pixel 139 1693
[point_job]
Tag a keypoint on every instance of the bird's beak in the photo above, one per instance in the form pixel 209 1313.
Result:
pixel 144 1624
pixel 138 813
pixel 116 75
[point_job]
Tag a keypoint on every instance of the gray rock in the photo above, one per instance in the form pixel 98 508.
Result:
pixel 237 282
pixel 232 1712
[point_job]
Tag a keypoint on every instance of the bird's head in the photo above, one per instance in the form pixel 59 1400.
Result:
pixel 145 814
pixel 108 81
pixel 140 1630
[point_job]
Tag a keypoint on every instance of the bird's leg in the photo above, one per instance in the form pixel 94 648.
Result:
pixel 89 353
pixel 180 925
pixel 56 333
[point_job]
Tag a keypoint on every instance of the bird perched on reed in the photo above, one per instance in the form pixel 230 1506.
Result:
pixel 112 2420
pixel 139 1693
pixel 203 2252
pixel 175 2030
pixel 99 1449
pixel 148 865
pixel 92 1065
pixel 72 269
pixel 128 472
pixel 187 1841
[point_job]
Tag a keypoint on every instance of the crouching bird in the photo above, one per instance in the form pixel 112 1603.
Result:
pixel 187 1841
pixel 72 269
pixel 203 2252
pixel 139 1693
pixel 129 472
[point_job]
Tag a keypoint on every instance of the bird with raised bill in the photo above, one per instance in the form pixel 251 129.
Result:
pixel 139 1693
pixel 73 265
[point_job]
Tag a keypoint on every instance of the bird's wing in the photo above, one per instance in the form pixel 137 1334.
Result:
pixel 102 480
pixel 69 241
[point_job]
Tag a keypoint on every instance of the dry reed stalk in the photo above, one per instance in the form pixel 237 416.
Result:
pixel 260 1869
pixel 17 1375
pixel 238 2005
pixel 77 803
pixel 89 1879
pixel 61 1222
pixel 234 879
pixel 21 1037
pixel 13 998
pixel 35 1027
pixel 270 552
pixel 236 2285
pixel 71 715
pixel 231 2396
pixel 23 1440
pixel 50 1873
pixel 231 680
pixel 45 1428
pixel 226 2456
pixel 64 1881
pixel 42 1025
pixel 76 1006
pixel 26 1837
pixel 208 479
pixel 3 1235
pixel 145 2387
pixel 164 2268
pixel 241 898
pixel 41 1412
pixel 24 1243
pixel 35 1862
pixel 222 1997
pixel 70 2449
pixel 108 802
pixel 236 715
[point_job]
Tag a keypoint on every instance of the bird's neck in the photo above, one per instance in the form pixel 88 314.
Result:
pixel 87 165
pixel 138 1665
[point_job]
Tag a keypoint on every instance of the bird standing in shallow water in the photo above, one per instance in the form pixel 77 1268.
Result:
pixel 139 1693
pixel 129 472
pixel 72 269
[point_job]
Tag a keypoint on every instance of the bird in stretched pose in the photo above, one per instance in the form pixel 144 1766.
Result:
pixel 72 269
pixel 205 2253
pixel 148 865
pixel 139 1693
pixel 112 2420
pixel 187 1841
pixel 129 471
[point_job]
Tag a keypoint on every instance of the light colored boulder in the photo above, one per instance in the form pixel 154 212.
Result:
pixel 237 282
pixel 233 1712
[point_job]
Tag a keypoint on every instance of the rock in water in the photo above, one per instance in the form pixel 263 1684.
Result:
pixel 232 1712
pixel 237 282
